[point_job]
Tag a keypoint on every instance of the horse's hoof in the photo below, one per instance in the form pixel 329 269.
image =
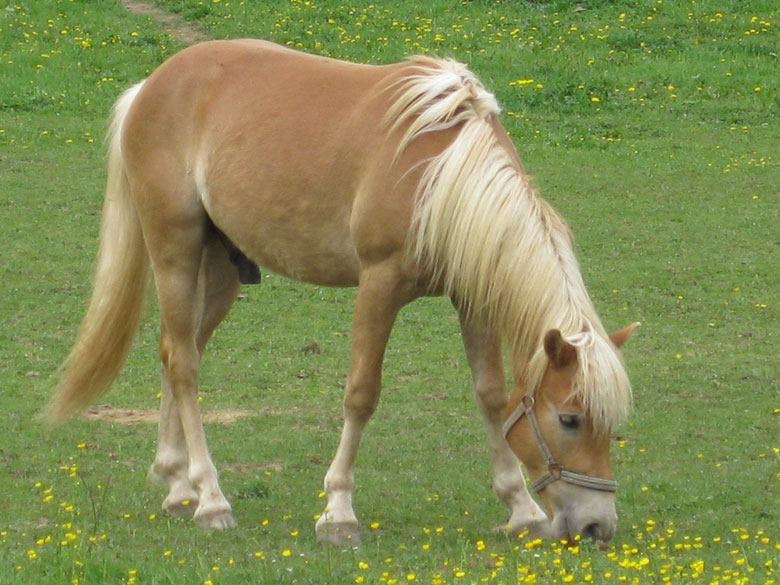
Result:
pixel 217 518
pixel 341 534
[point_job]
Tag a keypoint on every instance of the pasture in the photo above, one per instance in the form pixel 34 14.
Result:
pixel 651 126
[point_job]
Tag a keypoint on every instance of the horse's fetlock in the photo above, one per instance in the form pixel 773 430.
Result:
pixel 338 483
pixel 198 474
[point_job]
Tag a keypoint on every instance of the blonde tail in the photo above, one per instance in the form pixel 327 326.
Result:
pixel 111 321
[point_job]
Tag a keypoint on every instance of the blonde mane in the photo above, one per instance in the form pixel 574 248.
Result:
pixel 500 250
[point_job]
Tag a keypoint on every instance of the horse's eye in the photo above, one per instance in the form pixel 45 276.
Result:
pixel 569 421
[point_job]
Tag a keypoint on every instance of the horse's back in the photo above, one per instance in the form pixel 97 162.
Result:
pixel 276 146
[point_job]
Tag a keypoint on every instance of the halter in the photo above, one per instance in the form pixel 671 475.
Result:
pixel 555 470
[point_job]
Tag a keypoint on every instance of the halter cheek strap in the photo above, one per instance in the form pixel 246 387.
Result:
pixel 555 470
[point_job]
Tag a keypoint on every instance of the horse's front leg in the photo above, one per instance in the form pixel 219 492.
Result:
pixel 379 298
pixel 483 349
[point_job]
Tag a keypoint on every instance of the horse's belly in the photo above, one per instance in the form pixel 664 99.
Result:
pixel 315 264
pixel 294 237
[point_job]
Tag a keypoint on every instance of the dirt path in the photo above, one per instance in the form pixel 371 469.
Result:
pixel 131 416
pixel 171 23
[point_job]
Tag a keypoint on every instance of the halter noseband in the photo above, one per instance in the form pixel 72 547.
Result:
pixel 555 470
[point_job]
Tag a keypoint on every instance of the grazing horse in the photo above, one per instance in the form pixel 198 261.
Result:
pixel 397 179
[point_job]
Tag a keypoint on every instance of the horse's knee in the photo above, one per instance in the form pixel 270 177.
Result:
pixel 361 401
pixel 491 396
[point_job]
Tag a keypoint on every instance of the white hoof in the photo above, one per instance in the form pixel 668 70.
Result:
pixel 214 517
pixel 341 534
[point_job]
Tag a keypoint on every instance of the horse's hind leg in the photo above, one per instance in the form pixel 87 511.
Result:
pixel 217 289
pixel 175 229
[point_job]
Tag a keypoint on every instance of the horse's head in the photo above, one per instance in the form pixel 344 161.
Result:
pixel 565 453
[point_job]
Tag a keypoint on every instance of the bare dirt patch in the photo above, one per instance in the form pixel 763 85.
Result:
pixel 132 416
pixel 171 23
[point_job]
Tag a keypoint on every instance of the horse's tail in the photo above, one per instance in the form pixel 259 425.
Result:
pixel 118 291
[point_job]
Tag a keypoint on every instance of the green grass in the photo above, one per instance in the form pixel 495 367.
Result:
pixel 651 126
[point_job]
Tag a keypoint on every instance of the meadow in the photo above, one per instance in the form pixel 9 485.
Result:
pixel 651 125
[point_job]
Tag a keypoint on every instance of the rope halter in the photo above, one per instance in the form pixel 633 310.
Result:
pixel 555 471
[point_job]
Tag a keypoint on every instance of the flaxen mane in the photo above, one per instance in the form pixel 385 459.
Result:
pixel 496 246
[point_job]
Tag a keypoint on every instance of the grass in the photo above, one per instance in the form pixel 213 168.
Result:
pixel 650 125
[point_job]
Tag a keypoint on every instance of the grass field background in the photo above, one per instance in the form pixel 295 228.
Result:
pixel 652 126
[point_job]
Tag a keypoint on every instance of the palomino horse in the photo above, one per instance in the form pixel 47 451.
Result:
pixel 398 179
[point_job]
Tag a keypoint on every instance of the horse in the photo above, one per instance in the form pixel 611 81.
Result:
pixel 398 179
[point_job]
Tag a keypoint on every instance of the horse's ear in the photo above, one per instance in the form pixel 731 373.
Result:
pixel 621 336
pixel 559 351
